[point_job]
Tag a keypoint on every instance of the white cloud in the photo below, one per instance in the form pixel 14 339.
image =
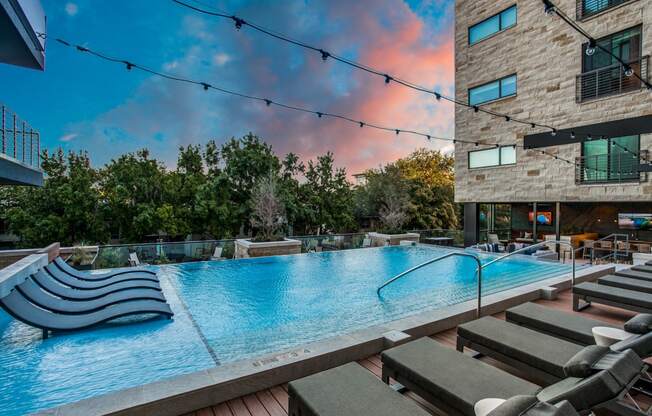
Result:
pixel 71 9
pixel 68 137
pixel 220 59
pixel 168 66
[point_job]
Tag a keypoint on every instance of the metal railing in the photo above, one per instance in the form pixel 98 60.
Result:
pixel 478 273
pixel 18 140
pixel 616 167
pixel 588 8
pixel 610 80
pixel 613 251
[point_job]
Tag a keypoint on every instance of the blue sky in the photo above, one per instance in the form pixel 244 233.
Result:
pixel 79 102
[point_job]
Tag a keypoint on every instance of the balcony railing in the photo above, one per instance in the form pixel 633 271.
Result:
pixel 18 140
pixel 610 168
pixel 588 8
pixel 610 80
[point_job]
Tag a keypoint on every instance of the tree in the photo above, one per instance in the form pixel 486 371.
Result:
pixel 267 209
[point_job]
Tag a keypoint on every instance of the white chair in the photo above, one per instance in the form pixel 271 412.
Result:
pixel 217 254
pixel 366 243
pixel 133 259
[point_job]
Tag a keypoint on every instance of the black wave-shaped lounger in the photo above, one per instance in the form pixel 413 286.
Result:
pixel 75 283
pixel 455 382
pixel 59 262
pixel 632 300
pixel 44 299
pixel 23 310
pixel 48 283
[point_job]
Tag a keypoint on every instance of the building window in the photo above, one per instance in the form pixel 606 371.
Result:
pixel 603 75
pixel 610 160
pixel 496 156
pixel 586 8
pixel 505 87
pixel 497 23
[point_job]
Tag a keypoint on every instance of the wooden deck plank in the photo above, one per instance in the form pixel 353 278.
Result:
pixel 274 401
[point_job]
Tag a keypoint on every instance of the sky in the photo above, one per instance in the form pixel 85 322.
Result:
pixel 81 103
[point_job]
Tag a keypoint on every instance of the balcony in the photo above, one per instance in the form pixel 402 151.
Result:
pixel 610 80
pixel 588 8
pixel 613 168
pixel 20 149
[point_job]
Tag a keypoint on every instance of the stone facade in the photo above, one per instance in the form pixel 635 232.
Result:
pixel 546 55
pixel 247 248
pixel 380 240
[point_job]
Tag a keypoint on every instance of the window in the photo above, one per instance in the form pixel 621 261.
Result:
pixel 626 45
pixel 588 8
pixel 607 160
pixel 497 23
pixel 502 88
pixel 496 156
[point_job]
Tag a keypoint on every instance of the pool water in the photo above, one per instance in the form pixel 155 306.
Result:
pixel 232 310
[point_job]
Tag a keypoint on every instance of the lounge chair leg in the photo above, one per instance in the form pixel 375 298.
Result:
pixel 460 344
pixel 45 334
pixel 578 305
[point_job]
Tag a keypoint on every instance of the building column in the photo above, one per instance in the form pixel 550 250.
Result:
pixel 471 224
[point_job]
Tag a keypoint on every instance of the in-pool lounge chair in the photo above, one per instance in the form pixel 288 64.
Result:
pixel 46 300
pixel 75 283
pixel 577 328
pixel 60 263
pixel 351 390
pixel 590 292
pixel 455 382
pixel 47 282
pixel 23 310
pixel 540 355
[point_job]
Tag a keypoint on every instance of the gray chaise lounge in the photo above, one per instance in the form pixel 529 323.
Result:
pixel 634 274
pixel 53 286
pixel 626 283
pixel 61 264
pixel 44 299
pixel 613 296
pixel 348 390
pixel 23 310
pixel 76 283
pixel 643 268
pixel 574 327
pixel 454 382
pixel 351 390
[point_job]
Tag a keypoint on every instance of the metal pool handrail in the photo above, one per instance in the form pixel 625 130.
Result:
pixel 436 259
pixel 543 243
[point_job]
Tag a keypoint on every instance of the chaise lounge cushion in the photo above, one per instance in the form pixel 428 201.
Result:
pixel 626 283
pixel 349 390
pixel 643 268
pixel 529 347
pixel 640 324
pixel 453 378
pixel 531 406
pixel 634 274
pixel 614 294
pixel 581 364
pixel 573 327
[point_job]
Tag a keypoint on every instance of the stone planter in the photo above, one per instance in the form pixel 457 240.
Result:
pixel 247 248
pixel 379 239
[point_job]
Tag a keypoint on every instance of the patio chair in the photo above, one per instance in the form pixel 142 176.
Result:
pixel 587 248
pixel 578 329
pixel 47 282
pixel 217 254
pixel 75 283
pixel 544 357
pixel 59 262
pixel 18 306
pixel 590 293
pixel 134 260
pixel 46 300
pixel 366 242
pixel 455 382
pixel 352 390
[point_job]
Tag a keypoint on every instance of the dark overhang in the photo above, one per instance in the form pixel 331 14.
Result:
pixel 617 128
pixel 21 22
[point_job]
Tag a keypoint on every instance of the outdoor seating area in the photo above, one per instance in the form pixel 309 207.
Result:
pixel 60 298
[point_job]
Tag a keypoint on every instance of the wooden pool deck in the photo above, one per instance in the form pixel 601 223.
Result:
pixel 274 401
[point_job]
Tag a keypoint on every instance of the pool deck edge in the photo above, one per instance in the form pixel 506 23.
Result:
pixel 193 391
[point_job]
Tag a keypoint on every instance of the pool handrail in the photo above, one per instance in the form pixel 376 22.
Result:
pixel 478 272
pixel 530 247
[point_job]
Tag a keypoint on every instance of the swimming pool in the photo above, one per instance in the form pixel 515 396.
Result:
pixel 232 310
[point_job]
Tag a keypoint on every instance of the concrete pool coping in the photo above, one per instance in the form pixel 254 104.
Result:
pixel 197 390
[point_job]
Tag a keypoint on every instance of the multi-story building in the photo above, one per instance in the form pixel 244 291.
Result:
pixel 513 58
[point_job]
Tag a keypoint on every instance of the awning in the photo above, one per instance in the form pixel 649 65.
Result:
pixel 618 128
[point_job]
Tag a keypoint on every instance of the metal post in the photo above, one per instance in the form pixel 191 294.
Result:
pixel 38 149
pixel 4 128
pixel 478 311
pixel 31 147
pixel 14 135
pixel 534 223
pixel 23 137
